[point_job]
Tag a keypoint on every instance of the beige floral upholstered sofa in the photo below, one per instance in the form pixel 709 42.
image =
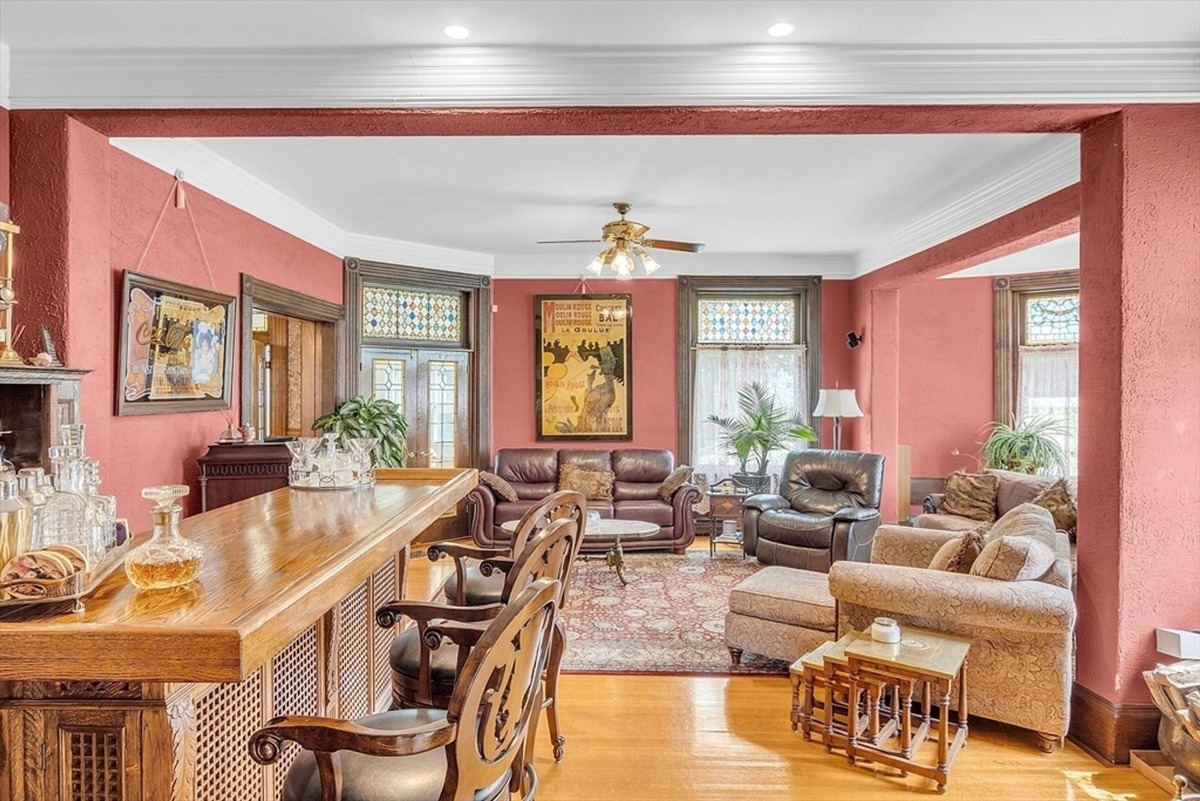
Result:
pixel 1020 666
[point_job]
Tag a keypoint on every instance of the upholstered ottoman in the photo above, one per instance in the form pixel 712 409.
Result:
pixel 780 612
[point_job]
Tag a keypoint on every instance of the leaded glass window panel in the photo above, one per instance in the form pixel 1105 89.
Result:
pixel 443 417
pixel 393 313
pixel 387 379
pixel 747 320
pixel 1051 319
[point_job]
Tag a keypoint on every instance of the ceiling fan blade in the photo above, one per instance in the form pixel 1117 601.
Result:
pixel 668 244
pixel 566 241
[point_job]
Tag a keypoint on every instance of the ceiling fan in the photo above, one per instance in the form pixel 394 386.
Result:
pixel 627 238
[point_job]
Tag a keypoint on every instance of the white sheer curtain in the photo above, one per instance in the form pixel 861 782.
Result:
pixel 720 372
pixel 1048 384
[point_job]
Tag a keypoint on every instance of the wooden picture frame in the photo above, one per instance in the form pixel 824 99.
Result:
pixel 176 349
pixel 583 348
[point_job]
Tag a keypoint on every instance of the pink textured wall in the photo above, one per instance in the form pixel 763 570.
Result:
pixel 837 360
pixel 90 209
pixel 946 355
pixel 1139 488
pixel 653 370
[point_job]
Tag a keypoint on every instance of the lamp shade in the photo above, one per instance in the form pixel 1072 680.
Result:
pixel 837 403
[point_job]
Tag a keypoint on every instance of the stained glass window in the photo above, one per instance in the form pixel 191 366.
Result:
pixel 443 417
pixel 391 313
pixel 1051 318
pixel 746 320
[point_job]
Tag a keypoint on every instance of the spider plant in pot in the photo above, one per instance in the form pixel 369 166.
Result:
pixel 376 418
pixel 760 428
pixel 1032 445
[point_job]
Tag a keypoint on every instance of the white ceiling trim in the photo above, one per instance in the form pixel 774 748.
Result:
pixel 826 265
pixel 5 75
pixel 469 75
pixel 1053 256
pixel 221 178
pixel 1054 169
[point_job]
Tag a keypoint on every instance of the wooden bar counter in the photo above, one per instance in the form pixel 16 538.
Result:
pixel 152 695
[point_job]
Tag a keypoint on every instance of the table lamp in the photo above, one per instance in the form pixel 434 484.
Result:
pixel 837 403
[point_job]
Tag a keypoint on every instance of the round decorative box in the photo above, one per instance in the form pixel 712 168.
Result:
pixel 885 629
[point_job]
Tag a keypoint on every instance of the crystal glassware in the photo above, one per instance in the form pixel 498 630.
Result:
pixel 65 519
pixel 302 448
pixel 168 559
pixel 16 521
pixel 360 451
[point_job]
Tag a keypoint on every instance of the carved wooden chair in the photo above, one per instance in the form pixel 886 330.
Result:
pixel 424 667
pixel 475 750
pixel 477 582
pixel 470 585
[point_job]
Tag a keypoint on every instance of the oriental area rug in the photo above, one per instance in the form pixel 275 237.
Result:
pixel 669 619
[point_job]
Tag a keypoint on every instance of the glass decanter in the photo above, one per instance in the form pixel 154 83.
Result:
pixel 65 519
pixel 16 521
pixel 168 559
pixel 101 508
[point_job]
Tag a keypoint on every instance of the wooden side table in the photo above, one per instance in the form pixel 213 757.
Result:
pixel 723 505
pixel 869 689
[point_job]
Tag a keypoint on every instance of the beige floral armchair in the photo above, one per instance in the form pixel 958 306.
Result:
pixel 1020 667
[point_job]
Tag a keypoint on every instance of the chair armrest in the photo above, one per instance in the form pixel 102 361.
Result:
pixel 908 545
pixel 457 632
pixel 957 600
pixel 853 513
pixel 932 503
pixel 765 502
pixel 329 735
pixel 458 550
pixel 425 611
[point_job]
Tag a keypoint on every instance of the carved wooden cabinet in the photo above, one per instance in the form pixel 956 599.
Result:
pixel 230 473
pixel 34 403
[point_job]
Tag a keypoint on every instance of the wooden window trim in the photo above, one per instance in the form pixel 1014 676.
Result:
pixel 274 299
pixel 477 324
pixel 1009 295
pixel 691 288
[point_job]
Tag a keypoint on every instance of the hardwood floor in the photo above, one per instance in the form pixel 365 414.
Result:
pixel 677 738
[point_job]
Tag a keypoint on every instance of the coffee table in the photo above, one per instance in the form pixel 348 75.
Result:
pixel 869 692
pixel 605 528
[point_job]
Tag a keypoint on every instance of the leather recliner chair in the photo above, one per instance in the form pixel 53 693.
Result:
pixel 827 510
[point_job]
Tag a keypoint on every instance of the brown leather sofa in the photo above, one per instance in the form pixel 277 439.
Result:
pixel 637 472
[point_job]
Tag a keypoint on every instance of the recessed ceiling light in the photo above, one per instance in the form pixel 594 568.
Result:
pixel 456 31
pixel 780 29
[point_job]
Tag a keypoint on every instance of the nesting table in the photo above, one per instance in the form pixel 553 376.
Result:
pixel 866 706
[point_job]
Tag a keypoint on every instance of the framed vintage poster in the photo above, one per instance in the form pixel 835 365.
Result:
pixel 583 388
pixel 176 347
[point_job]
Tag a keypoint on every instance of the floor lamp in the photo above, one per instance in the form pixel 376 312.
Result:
pixel 837 403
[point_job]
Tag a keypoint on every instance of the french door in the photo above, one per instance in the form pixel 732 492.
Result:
pixel 432 389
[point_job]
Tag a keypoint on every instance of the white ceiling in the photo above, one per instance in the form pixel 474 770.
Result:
pixel 839 206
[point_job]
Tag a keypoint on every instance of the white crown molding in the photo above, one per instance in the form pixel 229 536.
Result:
pixel 468 75
pixel 826 265
pixel 1053 256
pixel 1019 184
pixel 5 75
pixel 219 177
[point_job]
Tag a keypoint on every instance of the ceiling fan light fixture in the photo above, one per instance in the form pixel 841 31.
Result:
pixel 456 31
pixel 622 265
pixel 648 262
pixel 780 29
pixel 597 265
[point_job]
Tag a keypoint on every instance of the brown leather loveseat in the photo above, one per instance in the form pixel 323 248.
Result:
pixel 637 476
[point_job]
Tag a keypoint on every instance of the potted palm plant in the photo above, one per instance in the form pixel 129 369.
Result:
pixel 759 429
pixel 373 417
pixel 1029 446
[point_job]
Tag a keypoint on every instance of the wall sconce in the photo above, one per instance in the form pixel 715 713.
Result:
pixel 853 340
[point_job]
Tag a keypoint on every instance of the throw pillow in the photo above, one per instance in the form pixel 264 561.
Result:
pixel 959 554
pixel 970 495
pixel 679 476
pixel 497 485
pixel 1057 499
pixel 1019 558
pixel 596 485
pixel 1025 520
